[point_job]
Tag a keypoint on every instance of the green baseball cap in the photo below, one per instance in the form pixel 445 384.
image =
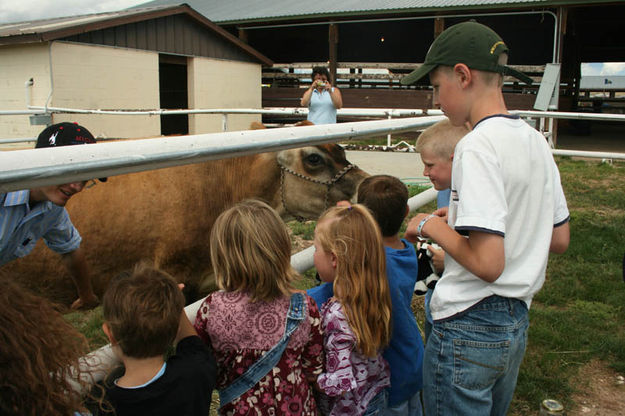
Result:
pixel 471 43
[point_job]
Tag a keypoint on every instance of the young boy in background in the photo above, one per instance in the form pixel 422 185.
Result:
pixel 507 212
pixel 143 316
pixel 387 199
pixel 436 146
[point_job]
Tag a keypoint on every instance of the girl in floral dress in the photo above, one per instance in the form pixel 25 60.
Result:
pixel 356 321
pixel 250 251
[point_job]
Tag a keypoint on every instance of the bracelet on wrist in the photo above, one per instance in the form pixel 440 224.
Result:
pixel 422 224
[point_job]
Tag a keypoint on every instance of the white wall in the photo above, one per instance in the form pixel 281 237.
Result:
pixel 19 63
pixel 107 78
pixel 99 77
pixel 215 83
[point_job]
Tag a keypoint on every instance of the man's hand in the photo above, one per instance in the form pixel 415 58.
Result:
pixel 85 303
pixel 76 264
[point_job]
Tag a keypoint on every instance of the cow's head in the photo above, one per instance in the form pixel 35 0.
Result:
pixel 314 178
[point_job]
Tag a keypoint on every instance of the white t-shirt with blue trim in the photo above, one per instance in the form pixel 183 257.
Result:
pixel 504 181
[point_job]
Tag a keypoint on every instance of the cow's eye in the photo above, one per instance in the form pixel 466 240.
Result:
pixel 314 159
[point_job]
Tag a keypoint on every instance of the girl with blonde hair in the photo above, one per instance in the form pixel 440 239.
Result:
pixel 262 368
pixel 356 321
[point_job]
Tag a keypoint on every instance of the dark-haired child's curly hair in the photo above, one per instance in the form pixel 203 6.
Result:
pixel 39 353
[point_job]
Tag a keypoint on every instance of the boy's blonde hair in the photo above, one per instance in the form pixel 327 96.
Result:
pixel 360 284
pixel 441 138
pixel 251 251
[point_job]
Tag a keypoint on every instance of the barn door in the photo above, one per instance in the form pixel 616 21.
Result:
pixel 173 93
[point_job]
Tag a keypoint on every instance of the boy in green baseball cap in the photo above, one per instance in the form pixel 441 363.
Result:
pixel 507 211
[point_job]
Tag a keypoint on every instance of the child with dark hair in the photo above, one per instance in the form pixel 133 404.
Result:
pixel 39 356
pixel 143 316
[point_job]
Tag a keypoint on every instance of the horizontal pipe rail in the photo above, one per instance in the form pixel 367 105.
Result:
pixel 23 169
pixel 583 153
pixel 352 112
pixel 21 112
pixel 301 111
pixel 17 140
pixel 570 115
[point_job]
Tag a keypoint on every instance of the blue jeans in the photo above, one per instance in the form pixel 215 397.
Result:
pixel 411 407
pixel 377 405
pixel 472 359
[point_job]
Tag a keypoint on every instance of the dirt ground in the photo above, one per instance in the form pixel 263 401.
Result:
pixel 601 391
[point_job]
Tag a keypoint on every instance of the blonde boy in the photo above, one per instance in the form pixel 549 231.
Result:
pixel 507 212
pixel 436 146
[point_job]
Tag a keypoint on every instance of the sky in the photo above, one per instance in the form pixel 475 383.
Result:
pixel 23 10
pixel 606 68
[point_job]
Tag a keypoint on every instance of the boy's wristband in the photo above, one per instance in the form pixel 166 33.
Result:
pixel 422 224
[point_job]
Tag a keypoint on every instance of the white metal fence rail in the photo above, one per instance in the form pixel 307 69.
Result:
pixel 21 169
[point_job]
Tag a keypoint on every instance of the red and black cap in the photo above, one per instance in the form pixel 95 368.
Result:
pixel 65 134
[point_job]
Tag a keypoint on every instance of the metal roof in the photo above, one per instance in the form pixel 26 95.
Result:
pixel 247 11
pixel 63 27
pixel 60 23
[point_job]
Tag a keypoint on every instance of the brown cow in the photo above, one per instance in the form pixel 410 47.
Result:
pixel 167 214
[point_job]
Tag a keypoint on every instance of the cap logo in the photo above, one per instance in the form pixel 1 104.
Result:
pixel 52 139
pixel 82 139
pixel 492 49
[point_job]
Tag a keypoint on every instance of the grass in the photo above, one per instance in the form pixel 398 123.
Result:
pixel 578 315
pixel 89 323
pixel 580 312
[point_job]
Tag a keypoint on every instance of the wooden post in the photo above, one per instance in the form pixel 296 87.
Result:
pixel 333 40
pixel 439 26
pixel 562 16
pixel 243 35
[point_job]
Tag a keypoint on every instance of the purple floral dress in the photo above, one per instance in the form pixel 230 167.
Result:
pixel 350 379
pixel 241 331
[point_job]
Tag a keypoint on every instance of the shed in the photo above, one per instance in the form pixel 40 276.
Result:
pixel 143 59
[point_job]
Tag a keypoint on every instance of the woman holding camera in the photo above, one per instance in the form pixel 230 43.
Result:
pixel 322 99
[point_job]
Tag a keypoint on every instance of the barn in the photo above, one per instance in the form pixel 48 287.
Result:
pixel 169 57
pixel 354 37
